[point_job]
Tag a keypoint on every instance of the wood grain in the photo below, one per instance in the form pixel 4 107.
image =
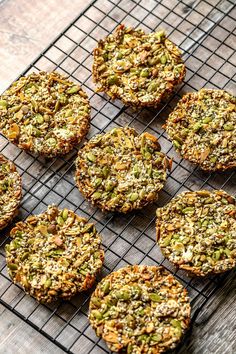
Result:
pixel 28 26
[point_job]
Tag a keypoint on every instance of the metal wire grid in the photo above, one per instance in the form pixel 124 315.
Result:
pixel 205 31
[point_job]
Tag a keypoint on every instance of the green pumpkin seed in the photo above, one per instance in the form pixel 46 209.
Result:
pixel 166 241
pixel 12 266
pixel 213 159
pixel 207 120
pixel 163 59
pixel 97 182
pixel 145 72
pixel 228 127
pixel 129 348
pixel 155 297
pixel 96 195
pixel 91 157
pixel 25 256
pixel 3 103
pixel 60 221
pixel 73 89
pixel 122 295
pixel 106 287
pixel 156 338
pixel 65 214
pixel 160 35
pixel 97 314
pixel 133 197
pixel 68 113
pixel 143 338
pixel 197 126
pixel 105 171
pixel 176 323
pixel 109 186
pixel 227 252
pixel 51 142
pixel 15 109
pixel 176 144
pixel 48 283
pixel 188 210
pixel 152 87
pixel 136 171
pixel 36 132
pixel 112 80
pixel 39 118
pixel 83 271
pixel 216 255
pixel 96 301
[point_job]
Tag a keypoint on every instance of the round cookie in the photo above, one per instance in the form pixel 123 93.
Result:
pixel 140 69
pixel 44 113
pixel 202 129
pixel 121 170
pixel 140 309
pixel 196 231
pixel 10 191
pixel 54 255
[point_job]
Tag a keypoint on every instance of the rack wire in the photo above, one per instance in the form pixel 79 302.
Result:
pixel 205 32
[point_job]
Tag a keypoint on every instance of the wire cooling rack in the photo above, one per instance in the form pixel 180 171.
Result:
pixel 205 31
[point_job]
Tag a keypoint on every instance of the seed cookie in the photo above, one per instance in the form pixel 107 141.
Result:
pixel 140 69
pixel 203 129
pixel 54 255
pixel 10 191
pixel 44 113
pixel 121 170
pixel 196 231
pixel 140 309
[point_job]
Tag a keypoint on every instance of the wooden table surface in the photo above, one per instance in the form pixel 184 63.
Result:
pixel 26 27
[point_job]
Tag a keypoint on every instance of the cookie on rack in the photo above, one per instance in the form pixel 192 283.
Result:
pixel 140 69
pixel 54 255
pixel 196 231
pixel 203 129
pixel 44 113
pixel 140 309
pixel 10 191
pixel 121 170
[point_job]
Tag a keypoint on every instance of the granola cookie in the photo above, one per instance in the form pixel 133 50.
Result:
pixel 140 69
pixel 121 170
pixel 44 113
pixel 140 309
pixel 196 231
pixel 10 191
pixel 203 129
pixel 54 255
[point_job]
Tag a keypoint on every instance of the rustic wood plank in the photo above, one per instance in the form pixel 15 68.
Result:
pixel 26 27
pixel 18 337
pixel 214 330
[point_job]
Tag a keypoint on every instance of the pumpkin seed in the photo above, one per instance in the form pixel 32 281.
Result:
pixel 155 297
pixel 163 59
pixel 91 157
pixel 3 104
pixel 73 89
pixel 65 214
pixel 228 127
pixel 12 266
